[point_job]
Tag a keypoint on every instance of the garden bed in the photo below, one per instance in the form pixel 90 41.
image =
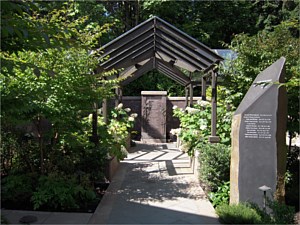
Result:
pixel 22 197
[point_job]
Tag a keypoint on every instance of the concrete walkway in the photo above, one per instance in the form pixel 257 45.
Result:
pixel 156 184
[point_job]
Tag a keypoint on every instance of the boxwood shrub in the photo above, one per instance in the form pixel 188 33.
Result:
pixel 214 162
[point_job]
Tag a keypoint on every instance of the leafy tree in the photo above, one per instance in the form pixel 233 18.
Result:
pixel 50 80
pixel 257 52
pixel 154 80
pixel 272 13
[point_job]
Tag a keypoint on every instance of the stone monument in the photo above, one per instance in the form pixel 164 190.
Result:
pixel 258 154
pixel 153 122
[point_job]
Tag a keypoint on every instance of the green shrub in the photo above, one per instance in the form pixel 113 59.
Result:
pixel 238 214
pixel 250 213
pixel 221 196
pixel 195 124
pixel 281 213
pixel 214 162
pixel 57 192
pixel 18 188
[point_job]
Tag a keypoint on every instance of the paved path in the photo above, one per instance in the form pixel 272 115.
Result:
pixel 13 217
pixel 155 185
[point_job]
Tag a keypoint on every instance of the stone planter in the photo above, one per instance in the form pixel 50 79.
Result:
pixel 111 167
pixel 128 142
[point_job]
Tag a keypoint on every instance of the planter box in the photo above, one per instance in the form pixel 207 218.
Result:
pixel 111 168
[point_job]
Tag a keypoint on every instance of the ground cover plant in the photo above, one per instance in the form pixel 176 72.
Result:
pixel 249 213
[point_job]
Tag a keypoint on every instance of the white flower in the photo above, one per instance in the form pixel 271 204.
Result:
pixel 127 110
pixel 192 110
pixel 175 131
pixel 90 117
pixel 175 107
pixel 188 108
pixel 120 106
pixel 203 127
pixel 134 115
pixel 202 103
pixel 131 119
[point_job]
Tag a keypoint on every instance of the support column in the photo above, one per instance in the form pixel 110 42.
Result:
pixel 94 137
pixel 104 110
pixel 191 95
pixel 121 94
pixel 186 96
pixel 117 98
pixel 214 138
pixel 203 88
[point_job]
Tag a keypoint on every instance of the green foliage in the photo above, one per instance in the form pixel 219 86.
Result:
pixel 255 53
pixel 281 213
pixel 214 162
pixel 238 214
pixel 48 86
pixel 221 196
pixel 195 124
pixel 8 151
pixel 57 192
pixel 153 80
pixel 17 188
pixel 119 127
pixel 250 213
pixel 292 184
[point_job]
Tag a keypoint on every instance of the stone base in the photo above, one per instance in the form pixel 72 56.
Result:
pixel 113 165
pixel 150 141
pixel 214 139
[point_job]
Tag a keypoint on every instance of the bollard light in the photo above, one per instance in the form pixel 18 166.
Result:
pixel 264 189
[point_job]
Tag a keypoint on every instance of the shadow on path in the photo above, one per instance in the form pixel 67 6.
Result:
pixel 155 185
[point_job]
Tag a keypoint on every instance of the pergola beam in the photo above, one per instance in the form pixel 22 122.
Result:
pixel 186 48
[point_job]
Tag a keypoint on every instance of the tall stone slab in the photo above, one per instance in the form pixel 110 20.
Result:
pixel 258 154
pixel 153 122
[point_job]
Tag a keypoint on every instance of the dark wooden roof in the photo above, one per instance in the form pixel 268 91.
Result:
pixel 156 44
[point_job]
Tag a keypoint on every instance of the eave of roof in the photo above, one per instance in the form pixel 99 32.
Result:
pixel 161 43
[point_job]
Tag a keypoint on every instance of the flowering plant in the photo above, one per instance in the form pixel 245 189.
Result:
pixel 195 124
pixel 119 127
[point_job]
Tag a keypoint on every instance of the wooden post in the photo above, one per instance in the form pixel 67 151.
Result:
pixel 120 94
pixel 186 96
pixel 191 95
pixel 203 88
pixel 214 138
pixel 104 110
pixel 95 138
pixel 117 97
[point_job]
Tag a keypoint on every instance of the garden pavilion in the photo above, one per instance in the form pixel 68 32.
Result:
pixel 156 44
